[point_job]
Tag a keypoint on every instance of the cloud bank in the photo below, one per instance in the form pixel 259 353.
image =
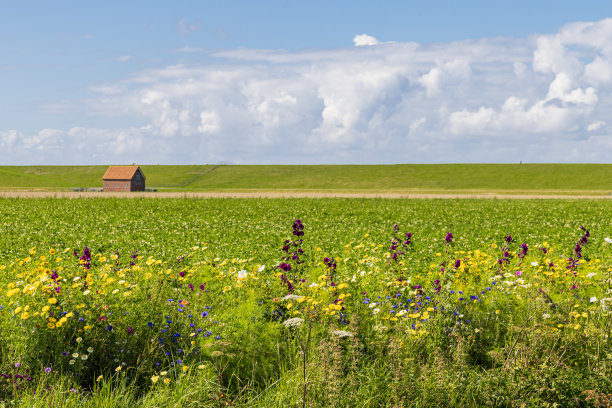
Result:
pixel 544 98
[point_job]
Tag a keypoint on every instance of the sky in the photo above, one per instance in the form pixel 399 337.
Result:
pixel 305 82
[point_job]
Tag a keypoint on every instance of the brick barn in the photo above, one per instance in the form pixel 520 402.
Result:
pixel 123 178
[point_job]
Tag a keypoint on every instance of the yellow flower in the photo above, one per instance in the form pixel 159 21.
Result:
pixel 166 381
pixel 154 379
pixel 342 286
pixel 52 251
pixel 118 369
pixel 99 378
pixel 25 315
pixel 45 308
pixel 79 339
pixel 51 325
pixel 12 292
pixel 185 368
pixel 201 367
pixel 225 289
pixel 102 259
pixel 18 310
pixel 52 300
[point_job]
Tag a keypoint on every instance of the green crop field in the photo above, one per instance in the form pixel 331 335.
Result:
pixel 379 303
pixel 509 178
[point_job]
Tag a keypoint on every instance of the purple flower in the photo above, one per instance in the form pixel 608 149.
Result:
pixel 47 369
pixel 449 238
pixel 509 238
pixel 457 263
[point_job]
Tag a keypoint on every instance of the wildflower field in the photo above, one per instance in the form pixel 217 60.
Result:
pixel 305 302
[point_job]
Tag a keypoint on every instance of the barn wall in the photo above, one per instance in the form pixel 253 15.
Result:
pixel 116 185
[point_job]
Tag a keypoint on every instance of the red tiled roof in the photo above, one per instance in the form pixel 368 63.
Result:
pixel 120 172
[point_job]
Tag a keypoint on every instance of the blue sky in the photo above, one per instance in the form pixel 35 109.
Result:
pixel 305 82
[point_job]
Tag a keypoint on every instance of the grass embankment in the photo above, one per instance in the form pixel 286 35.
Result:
pixel 566 179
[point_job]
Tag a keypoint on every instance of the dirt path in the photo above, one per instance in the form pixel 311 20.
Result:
pixel 70 194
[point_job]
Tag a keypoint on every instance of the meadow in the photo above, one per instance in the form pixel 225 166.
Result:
pixel 305 302
pixel 567 179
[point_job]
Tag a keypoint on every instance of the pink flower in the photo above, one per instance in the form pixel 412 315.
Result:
pixel 518 273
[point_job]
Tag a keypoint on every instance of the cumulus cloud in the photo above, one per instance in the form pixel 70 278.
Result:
pixel 364 39
pixel 544 98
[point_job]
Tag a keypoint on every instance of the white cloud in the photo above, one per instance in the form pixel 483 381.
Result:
pixel 364 39
pixel 189 49
pixel 186 28
pixel 595 126
pixel 539 98
pixel 124 58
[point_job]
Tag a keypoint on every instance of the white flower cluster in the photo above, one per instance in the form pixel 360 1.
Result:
pixel 291 297
pixel 293 322
pixel 343 333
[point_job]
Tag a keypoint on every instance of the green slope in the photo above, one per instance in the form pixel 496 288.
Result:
pixel 568 178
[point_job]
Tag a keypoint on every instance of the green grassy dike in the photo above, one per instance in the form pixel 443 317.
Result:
pixel 568 179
